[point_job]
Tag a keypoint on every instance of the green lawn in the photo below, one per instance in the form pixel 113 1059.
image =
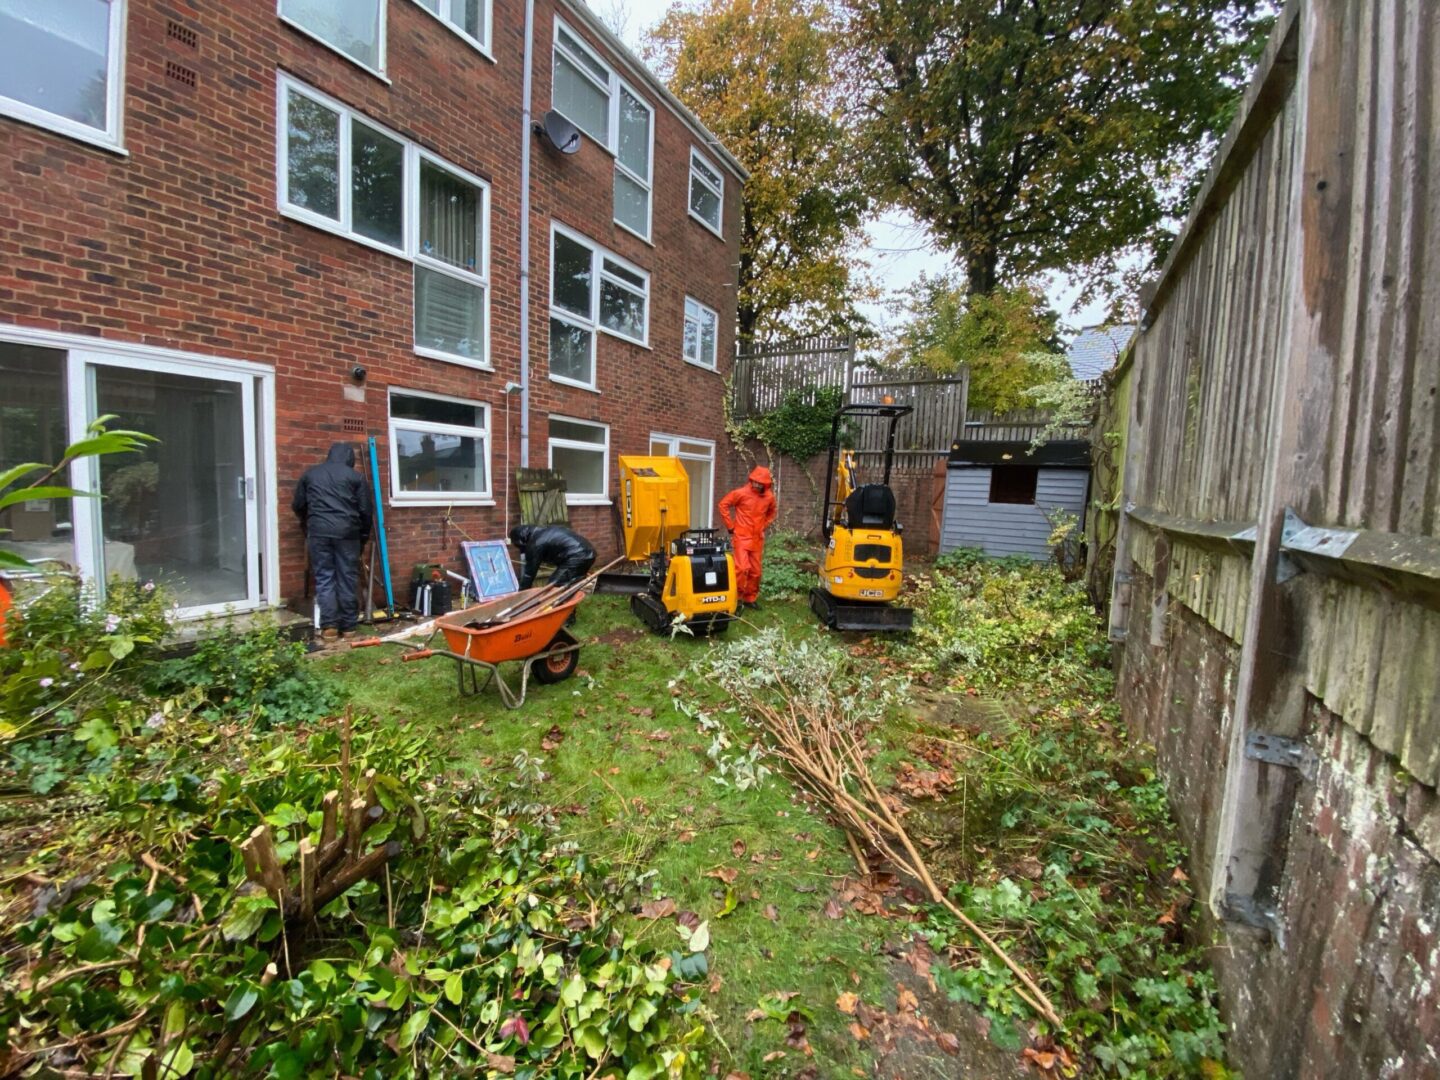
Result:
pixel 634 787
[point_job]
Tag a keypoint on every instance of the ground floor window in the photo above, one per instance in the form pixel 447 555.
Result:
pixel 697 456
pixel 187 511
pixel 580 452
pixel 439 449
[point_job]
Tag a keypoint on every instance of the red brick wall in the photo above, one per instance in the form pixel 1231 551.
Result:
pixel 179 244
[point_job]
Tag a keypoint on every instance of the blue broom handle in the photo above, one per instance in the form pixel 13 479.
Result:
pixel 380 526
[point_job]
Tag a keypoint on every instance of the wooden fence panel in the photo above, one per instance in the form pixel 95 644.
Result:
pixel 766 374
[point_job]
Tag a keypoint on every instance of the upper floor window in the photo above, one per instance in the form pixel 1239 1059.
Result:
pixel 590 290
pixel 468 18
pixel 588 91
pixel 632 163
pixel 60 65
pixel 701 325
pixel 707 192
pixel 355 28
pixel 340 172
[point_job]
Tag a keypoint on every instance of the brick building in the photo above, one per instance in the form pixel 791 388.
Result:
pixel 213 215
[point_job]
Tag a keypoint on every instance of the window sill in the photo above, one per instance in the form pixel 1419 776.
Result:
pixel 587 500
pixel 324 224
pixel 451 358
pixel 399 502
pixel 58 125
pixel 707 226
pixel 621 337
pixel 575 385
pixel 466 38
pixel 714 370
pixel 380 74
pixel 634 233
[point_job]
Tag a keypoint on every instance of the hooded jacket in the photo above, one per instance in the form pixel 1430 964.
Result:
pixel 747 513
pixel 554 544
pixel 332 499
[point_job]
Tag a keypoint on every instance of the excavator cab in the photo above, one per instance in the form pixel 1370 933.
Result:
pixel 862 569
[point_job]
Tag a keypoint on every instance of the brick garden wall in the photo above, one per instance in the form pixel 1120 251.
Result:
pixel 179 244
pixel 1351 990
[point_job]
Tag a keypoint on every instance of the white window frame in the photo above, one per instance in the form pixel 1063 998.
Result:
pixel 699 337
pixel 479 278
pixel 675 452
pixel 110 138
pixel 399 497
pixel 611 145
pixel 621 169
pixel 479 45
pixel 381 43
pixel 409 250
pixel 598 255
pixel 571 499
pixel 719 227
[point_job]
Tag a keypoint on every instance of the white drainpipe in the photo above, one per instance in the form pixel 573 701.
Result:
pixel 525 140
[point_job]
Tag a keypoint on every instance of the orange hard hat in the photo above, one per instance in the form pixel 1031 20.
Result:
pixel 761 475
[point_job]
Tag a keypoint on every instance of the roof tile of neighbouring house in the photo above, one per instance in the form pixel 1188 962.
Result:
pixel 1095 350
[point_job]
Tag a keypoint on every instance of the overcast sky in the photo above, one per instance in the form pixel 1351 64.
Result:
pixel 899 248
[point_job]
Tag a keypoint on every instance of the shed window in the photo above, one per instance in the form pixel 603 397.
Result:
pixel 1014 484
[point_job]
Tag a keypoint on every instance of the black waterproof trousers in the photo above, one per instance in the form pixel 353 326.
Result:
pixel 336 564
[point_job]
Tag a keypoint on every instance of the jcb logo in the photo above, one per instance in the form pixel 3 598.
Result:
pixel 718 599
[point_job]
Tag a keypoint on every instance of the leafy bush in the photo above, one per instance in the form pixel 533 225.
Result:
pixel 68 677
pixel 790 565
pixel 1006 622
pixel 485 948
pixel 800 427
pixel 256 673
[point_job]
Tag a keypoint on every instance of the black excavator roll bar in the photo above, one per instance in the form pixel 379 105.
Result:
pixel 860 408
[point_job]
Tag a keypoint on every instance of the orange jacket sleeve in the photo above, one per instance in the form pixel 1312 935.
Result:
pixel 772 511
pixel 727 507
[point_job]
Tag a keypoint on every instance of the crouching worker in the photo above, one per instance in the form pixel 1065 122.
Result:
pixel 565 549
pixel 332 502
pixel 747 512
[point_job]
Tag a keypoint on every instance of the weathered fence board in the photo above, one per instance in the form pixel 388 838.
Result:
pixel 1015 426
pixel 1278 562
pixel 766 374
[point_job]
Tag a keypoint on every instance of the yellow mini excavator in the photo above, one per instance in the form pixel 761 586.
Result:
pixel 691 571
pixel 862 569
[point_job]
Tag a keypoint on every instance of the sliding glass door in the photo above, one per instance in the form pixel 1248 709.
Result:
pixel 698 458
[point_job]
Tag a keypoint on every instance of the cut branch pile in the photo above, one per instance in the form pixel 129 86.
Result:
pixel 828 758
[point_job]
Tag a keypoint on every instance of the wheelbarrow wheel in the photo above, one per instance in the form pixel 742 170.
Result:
pixel 556 667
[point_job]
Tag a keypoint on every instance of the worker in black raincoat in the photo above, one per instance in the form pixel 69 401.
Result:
pixel 565 549
pixel 332 502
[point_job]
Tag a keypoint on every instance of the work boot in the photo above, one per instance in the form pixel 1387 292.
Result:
pixel 330 635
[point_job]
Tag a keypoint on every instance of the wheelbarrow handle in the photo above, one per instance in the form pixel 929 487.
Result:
pixel 366 643
pixel 420 654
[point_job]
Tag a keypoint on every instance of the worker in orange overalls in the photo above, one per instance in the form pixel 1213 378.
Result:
pixel 747 512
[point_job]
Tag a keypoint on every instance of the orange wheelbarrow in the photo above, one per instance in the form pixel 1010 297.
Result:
pixel 481 638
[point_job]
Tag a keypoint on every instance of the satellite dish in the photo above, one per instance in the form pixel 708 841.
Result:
pixel 559 132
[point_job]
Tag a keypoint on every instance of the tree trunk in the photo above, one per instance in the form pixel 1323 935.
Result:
pixel 981 270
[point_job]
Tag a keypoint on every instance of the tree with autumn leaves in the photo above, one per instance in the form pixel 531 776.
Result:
pixel 762 75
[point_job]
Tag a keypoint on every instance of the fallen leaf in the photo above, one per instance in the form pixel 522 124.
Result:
pixel 1043 1059
pixel 685 836
pixel 907 1002
pixel 502 1063
pixel 859 1030
pixel 846 1002
pixel 947 1042
pixel 774 1055
pixel 716 982
pixel 833 910
pixel 688 919
pixel 737 1076
pixel 737 848
pixel 727 874
pixel 807 888
pixel 657 909
pixel 813 855
pixel 771 913
pixel 754 1014
pixel 553 738
pixel 614 770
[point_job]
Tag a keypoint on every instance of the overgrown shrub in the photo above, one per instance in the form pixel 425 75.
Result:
pixel 255 673
pixel 1002 622
pixel 485 948
pixel 790 565
pixel 68 678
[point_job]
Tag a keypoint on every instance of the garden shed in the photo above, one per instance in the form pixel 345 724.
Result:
pixel 999 493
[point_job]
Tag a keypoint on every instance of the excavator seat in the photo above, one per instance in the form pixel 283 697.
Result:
pixel 870 506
